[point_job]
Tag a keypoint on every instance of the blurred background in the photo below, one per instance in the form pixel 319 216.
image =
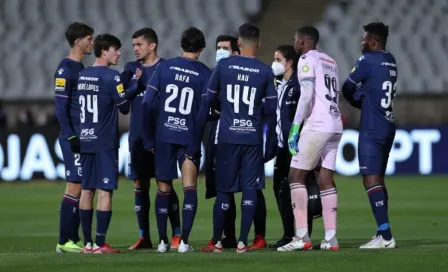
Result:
pixel 33 43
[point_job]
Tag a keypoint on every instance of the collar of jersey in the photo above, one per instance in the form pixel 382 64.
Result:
pixel 155 62
pixel 73 60
pixel 188 58
pixel 249 57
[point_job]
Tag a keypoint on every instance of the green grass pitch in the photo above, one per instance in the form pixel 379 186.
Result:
pixel 418 212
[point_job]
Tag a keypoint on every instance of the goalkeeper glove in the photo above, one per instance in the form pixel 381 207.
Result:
pixel 293 139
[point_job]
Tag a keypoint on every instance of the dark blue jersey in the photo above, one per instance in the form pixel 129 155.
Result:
pixel 100 92
pixel 241 84
pixel 179 83
pixel 136 97
pixel 66 100
pixel 376 75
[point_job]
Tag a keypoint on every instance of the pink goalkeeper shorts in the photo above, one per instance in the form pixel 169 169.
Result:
pixel 316 148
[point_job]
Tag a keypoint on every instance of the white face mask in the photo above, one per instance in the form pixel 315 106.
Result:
pixel 278 68
pixel 221 53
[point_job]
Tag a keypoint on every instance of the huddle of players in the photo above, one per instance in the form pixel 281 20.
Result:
pixel 170 102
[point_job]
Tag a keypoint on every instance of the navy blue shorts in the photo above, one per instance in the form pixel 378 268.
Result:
pixel 239 167
pixel 167 157
pixel 72 162
pixel 100 170
pixel 373 153
pixel 141 162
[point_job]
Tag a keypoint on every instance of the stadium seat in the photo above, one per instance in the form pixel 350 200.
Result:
pixel 33 33
pixel 417 40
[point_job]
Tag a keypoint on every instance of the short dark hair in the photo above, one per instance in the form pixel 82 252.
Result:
pixel 148 34
pixel 104 42
pixel 249 32
pixel 192 40
pixel 289 53
pixel 378 31
pixel 310 32
pixel 227 38
pixel 76 31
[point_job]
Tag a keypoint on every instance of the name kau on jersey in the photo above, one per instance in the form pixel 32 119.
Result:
pixel 242 125
pixel 177 123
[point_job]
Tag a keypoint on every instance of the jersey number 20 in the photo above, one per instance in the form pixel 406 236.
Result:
pixel 186 99
pixel 390 89
pixel 89 103
pixel 233 96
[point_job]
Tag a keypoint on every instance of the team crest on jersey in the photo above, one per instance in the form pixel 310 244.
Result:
pixel 117 78
pixel 305 68
pixel 60 71
pixel 59 84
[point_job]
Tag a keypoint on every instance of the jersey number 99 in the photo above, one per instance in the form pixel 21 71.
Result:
pixel 332 87
pixel 233 96
pixel 89 103
pixel 186 99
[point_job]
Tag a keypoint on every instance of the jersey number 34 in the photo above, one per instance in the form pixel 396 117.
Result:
pixel 89 104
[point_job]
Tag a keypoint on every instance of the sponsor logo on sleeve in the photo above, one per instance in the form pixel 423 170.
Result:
pixel 59 84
